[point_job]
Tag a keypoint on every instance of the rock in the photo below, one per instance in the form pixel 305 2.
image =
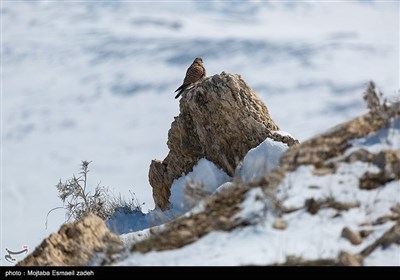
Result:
pixel 371 181
pixel 365 233
pixel 312 206
pixel 385 219
pixel 299 261
pixel 359 155
pixel 74 244
pixel 220 119
pixel 352 236
pixel 348 259
pixel 280 224
pixel 387 161
pixel 324 170
pixel 396 209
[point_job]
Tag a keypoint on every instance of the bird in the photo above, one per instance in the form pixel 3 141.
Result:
pixel 195 73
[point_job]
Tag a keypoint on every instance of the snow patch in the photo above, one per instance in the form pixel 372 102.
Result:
pixel 301 184
pixel 205 173
pixel 389 256
pixel 260 160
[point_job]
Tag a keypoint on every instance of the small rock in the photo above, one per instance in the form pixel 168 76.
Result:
pixel 359 155
pixel 280 224
pixel 384 219
pixel 365 233
pixel 353 237
pixel 348 259
pixel 396 209
pixel 184 233
pixel 366 224
pixel 324 170
pixel 312 206
pixel 371 181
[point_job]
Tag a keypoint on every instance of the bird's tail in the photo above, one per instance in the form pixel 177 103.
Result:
pixel 180 89
pixel 179 93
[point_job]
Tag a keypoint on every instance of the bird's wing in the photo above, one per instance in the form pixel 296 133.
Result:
pixel 194 73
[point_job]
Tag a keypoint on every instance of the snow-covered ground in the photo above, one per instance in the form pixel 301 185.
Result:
pixel 95 81
pixel 308 236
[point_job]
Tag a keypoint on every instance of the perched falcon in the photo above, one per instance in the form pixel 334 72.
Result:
pixel 195 73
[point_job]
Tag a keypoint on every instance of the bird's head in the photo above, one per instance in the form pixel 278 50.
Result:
pixel 198 60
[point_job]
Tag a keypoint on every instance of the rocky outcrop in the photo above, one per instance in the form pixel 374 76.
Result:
pixel 75 244
pixel 325 153
pixel 220 119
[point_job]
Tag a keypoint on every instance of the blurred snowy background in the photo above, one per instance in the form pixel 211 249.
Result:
pixel 95 81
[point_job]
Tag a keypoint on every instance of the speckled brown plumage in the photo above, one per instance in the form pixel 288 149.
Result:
pixel 195 73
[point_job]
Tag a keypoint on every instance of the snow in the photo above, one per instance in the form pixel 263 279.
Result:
pixel 206 174
pixel 322 187
pixel 385 257
pixel 130 238
pixel 95 81
pixel 261 160
pixel 256 202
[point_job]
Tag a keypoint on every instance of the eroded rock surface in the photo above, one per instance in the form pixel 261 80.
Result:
pixel 74 244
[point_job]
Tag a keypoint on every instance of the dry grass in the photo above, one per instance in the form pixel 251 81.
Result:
pixel 79 199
